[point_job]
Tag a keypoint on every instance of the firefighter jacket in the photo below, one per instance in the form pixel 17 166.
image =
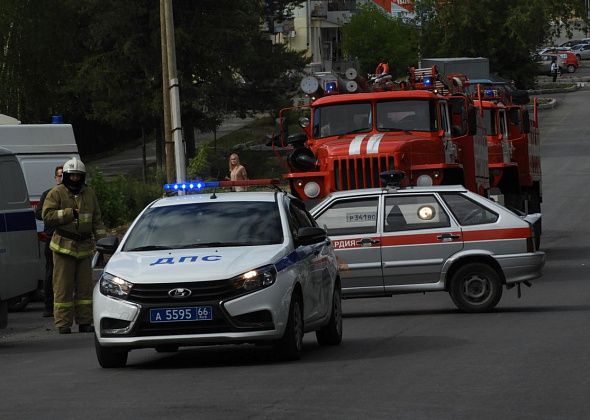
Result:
pixel 73 236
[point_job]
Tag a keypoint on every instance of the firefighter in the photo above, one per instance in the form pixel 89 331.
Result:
pixel 72 209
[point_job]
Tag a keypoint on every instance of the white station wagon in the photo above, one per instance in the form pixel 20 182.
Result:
pixel 421 239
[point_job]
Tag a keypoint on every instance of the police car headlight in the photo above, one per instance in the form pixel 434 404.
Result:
pixel 256 279
pixel 114 286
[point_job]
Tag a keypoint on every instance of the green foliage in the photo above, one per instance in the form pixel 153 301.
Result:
pixel 372 35
pixel 505 31
pixel 199 167
pixel 122 199
pixel 98 63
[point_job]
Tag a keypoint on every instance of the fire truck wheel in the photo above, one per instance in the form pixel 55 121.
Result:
pixel 331 333
pixel 290 345
pixel 475 287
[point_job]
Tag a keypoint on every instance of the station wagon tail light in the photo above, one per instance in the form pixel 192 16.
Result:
pixel 256 279
pixel 530 240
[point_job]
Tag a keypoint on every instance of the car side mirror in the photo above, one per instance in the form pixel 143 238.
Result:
pixel 310 235
pixel 107 245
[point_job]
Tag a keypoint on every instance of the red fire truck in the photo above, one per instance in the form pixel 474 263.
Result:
pixel 513 144
pixel 425 126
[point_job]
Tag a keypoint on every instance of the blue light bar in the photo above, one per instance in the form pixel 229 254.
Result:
pixel 489 92
pixel 427 81
pixel 191 185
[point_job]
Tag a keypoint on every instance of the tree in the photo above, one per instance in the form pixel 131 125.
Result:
pixel 372 35
pixel 505 31
pixel 97 62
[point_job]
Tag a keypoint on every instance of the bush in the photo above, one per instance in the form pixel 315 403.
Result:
pixel 122 199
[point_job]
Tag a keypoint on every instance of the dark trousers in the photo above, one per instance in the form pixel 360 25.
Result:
pixel 554 74
pixel 48 283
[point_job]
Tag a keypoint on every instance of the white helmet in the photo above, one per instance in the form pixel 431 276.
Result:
pixel 74 166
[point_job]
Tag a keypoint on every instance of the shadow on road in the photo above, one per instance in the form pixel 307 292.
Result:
pixel 359 348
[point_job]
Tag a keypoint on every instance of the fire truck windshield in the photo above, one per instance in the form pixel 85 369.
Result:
pixel 335 120
pixel 406 115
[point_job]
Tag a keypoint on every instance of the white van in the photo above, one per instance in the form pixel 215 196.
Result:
pixel 20 258
pixel 39 149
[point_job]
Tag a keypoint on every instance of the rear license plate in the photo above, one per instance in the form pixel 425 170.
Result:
pixel 194 313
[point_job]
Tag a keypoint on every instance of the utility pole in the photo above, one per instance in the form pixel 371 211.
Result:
pixel 168 143
pixel 176 127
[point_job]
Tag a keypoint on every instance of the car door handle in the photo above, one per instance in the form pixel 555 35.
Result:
pixel 367 241
pixel 446 236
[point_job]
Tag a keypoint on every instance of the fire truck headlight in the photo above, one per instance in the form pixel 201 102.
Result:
pixel 312 189
pixel 424 181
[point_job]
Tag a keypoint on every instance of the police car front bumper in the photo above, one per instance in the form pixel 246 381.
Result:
pixel 258 316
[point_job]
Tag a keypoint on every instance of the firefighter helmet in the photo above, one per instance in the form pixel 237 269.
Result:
pixel 74 166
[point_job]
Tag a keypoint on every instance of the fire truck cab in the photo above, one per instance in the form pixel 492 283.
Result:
pixel 427 129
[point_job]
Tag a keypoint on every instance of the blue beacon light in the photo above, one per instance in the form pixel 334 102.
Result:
pixel 191 186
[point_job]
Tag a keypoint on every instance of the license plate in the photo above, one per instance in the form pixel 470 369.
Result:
pixel 194 313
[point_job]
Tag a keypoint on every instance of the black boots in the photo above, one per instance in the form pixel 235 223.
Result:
pixel 65 330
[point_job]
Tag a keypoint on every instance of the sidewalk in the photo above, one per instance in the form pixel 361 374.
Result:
pixel 131 160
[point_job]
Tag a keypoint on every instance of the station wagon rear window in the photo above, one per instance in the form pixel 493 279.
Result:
pixel 468 212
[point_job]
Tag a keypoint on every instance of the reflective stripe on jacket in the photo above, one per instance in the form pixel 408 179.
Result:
pixel 58 213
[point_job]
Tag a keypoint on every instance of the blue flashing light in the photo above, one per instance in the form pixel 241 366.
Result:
pixel 488 92
pixel 427 81
pixel 191 186
pixel 330 87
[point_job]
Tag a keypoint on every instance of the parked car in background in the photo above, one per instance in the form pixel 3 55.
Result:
pixel 424 239
pixel 552 50
pixel 573 42
pixel 582 51
pixel 566 60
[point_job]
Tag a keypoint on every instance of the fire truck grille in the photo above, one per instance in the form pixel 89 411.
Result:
pixel 362 172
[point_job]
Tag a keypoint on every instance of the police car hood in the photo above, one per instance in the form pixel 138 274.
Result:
pixel 361 144
pixel 189 265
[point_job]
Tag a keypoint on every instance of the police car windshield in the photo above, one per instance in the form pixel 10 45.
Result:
pixel 199 225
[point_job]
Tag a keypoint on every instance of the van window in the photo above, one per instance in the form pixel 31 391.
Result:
pixel 13 192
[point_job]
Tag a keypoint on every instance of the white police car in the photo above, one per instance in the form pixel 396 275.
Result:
pixel 423 239
pixel 203 269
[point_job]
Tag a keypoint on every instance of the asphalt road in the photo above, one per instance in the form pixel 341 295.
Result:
pixel 406 357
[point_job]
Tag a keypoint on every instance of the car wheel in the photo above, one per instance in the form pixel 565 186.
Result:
pixel 18 303
pixel 571 68
pixel 331 333
pixel 290 345
pixel 110 357
pixel 475 287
